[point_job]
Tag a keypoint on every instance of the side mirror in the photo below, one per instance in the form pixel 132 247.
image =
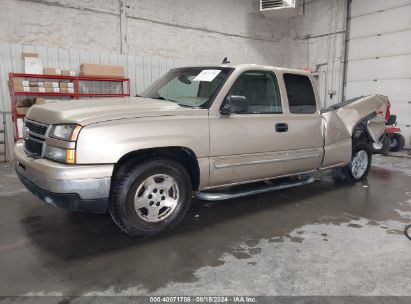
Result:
pixel 234 104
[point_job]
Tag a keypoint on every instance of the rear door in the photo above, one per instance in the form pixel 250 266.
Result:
pixel 302 114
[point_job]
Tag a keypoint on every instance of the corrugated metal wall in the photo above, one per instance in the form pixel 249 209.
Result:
pixel 379 55
pixel 142 71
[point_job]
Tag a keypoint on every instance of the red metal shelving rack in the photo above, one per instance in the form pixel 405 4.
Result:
pixel 77 94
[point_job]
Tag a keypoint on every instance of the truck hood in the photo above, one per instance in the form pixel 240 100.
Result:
pixel 95 110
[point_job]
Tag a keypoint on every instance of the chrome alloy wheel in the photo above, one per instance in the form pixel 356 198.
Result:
pixel 359 164
pixel 156 198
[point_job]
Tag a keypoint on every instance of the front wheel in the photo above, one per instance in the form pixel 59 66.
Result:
pixel 150 197
pixel 358 167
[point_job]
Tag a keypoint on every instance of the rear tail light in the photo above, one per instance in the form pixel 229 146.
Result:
pixel 388 114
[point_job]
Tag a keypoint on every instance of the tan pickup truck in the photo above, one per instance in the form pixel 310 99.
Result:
pixel 198 131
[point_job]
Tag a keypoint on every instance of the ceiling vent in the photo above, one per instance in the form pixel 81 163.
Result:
pixel 278 8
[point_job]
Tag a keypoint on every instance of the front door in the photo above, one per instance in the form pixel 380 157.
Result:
pixel 251 145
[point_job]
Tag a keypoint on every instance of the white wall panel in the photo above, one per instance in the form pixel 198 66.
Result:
pixel 204 31
pixel 403 112
pixel 235 17
pixel 393 67
pixel 36 22
pixel 379 55
pixel 381 46
pixel 389 21
pixel 398 90
pixel 363 7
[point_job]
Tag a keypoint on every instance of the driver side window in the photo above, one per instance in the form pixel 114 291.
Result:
pixel 261 90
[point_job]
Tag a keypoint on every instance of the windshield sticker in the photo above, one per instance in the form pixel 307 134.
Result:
pixel 207 75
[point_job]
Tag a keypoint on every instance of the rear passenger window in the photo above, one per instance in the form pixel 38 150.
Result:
pixel 301 98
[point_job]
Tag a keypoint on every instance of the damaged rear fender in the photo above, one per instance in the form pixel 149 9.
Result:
pixel 351 113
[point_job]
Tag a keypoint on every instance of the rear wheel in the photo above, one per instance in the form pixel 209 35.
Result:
pixel 359 166
pixel 150 197
pixel 397 142
pixel 382 146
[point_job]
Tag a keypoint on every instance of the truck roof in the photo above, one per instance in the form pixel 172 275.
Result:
pixel 250 66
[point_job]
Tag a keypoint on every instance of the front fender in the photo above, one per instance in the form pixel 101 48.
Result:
pixel 107 142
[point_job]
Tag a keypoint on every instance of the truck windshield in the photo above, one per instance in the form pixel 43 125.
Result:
pixel 190 87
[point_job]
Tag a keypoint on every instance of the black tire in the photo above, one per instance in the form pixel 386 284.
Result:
pixel 397 142
pixel 382 147
pixel 346 173
pixel 127 180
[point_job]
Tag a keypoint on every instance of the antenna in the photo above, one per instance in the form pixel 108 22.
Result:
pixel 225 60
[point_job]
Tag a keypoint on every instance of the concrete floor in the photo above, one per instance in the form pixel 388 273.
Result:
pixel 319 239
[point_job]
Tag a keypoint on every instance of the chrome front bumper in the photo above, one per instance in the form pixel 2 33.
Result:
pixel 73 187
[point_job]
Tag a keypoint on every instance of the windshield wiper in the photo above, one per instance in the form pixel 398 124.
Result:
pixel 184 105
pixel 166 99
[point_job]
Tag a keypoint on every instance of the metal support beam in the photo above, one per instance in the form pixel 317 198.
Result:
pixel 346 49
pixel 123 27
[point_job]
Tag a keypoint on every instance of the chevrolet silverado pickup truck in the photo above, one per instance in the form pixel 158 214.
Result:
pixel 201 131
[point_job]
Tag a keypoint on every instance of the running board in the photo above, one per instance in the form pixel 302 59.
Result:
pixel 219 196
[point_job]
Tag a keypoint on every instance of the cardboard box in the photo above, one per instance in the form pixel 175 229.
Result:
pixel 22 110
pixel 20 82
pixel 32 55
pixel 21 89
pixel 38 89
pixel 40 100
pixel 68 73
pixel 66 85
pixel 67 90
pixel 36 83
pixel 32 63
pixel 52 71
pixel 101 70
pixel 51 84
pixel 52 90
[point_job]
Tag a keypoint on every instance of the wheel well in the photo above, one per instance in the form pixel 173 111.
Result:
pixel 182 155
pixel 360 132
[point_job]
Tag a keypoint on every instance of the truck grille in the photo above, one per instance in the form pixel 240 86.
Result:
pixel 34 137
pixel 33 147
pixel 36 128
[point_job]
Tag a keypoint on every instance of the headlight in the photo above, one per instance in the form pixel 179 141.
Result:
pixel 65 132
pixel 62 155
